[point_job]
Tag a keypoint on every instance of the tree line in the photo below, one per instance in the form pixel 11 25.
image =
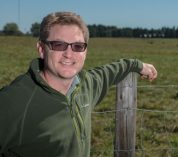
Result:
pixel 101 31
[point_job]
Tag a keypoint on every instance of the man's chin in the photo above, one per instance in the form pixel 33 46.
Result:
pixel 68 76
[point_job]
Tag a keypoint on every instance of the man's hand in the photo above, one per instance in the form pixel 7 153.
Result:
pixel 149 72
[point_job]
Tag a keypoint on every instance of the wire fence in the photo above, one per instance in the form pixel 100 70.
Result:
pixel 156 124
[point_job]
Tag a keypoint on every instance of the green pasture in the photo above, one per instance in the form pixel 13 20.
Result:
pixel 157 115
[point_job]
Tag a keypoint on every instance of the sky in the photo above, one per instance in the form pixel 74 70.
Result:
pixel 120 13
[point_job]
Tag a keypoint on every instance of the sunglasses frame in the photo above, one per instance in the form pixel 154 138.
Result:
pixel 65 45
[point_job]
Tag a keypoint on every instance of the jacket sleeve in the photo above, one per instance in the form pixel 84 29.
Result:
pixel 105 76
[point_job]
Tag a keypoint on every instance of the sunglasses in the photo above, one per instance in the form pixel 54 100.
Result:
pixel 62 46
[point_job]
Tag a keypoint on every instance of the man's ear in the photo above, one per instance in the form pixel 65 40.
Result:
pixel 40 48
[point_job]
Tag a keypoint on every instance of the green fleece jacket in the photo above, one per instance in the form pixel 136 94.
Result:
pixel 38 121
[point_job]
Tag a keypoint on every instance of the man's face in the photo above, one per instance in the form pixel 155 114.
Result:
pixel 67 63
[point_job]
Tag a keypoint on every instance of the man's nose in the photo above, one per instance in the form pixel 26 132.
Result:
pixel 68 52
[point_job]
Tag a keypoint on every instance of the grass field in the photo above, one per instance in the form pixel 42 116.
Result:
pixel 157 132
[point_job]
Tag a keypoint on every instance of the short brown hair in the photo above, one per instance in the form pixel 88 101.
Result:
pixel 62 18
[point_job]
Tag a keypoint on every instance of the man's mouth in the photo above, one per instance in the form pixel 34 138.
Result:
pixel 67 62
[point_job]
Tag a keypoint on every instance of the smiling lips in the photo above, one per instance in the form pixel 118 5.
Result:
pixel 67 62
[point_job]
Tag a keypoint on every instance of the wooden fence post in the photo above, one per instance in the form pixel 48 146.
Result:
pixel 126 117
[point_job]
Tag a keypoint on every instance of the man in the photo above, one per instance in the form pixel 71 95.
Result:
pixel 46 112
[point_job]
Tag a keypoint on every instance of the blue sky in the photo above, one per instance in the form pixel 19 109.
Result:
pixel 120 13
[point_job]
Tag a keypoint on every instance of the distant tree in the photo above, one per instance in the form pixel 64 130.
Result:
pixel 92 29
pixel 116 32
pixel 1 33
pixel 169 32
pixel 35 29
pixel 101 30
pixel 177 32
pixel 136 32
pixel 127 32
pixel 173 32
pixel 11 29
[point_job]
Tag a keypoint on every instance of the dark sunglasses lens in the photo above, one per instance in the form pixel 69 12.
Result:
pixel 58 46
pixel 62 46
pixel 79 47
